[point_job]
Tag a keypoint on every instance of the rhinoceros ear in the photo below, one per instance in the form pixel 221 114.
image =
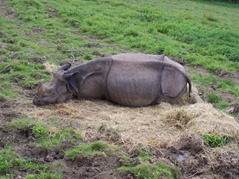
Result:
pixel 69 75
pixel 72 80
pixel 65 66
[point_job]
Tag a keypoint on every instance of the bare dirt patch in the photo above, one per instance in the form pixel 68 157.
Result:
pixel 224 74
pixel 7 112
pixel 195 158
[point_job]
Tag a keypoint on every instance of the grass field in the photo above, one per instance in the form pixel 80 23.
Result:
pixel 198 33
pixel 36 33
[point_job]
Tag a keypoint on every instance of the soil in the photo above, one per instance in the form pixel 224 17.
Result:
pixel 224 74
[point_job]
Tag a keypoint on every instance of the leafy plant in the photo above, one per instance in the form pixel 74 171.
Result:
pixel 40 131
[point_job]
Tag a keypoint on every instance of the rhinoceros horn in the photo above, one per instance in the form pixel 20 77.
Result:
pixel 42 88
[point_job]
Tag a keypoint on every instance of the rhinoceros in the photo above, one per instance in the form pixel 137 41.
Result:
pixel 130 79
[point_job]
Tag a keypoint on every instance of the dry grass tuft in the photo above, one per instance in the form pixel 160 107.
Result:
pixel 225 160
pixel 50 67
pixel 66 110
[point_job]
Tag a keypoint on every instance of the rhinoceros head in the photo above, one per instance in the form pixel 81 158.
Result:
pixel 57 91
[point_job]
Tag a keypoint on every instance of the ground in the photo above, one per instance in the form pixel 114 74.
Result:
pixel 169 134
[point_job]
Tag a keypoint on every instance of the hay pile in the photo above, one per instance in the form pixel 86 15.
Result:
pixel 154 125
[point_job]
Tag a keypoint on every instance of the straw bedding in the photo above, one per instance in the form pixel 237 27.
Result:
pixel 154 125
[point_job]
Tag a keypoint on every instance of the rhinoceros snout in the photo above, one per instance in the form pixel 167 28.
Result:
pixel 38 101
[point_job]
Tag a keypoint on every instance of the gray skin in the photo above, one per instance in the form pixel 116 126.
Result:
pixel 130 79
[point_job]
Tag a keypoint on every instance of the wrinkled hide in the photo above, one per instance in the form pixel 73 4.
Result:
pixel 126 79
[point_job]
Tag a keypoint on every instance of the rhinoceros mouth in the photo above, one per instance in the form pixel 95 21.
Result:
pixel 41 101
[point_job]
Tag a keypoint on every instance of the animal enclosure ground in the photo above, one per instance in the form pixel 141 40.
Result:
pixel 164 133
pixel 97 139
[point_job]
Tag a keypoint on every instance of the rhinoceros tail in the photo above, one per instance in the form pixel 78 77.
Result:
pixel 190 85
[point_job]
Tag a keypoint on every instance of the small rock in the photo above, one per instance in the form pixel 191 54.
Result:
pixel 49 158
pixel 233 109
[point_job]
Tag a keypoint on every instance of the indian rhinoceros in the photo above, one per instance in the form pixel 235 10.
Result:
pixel 130 79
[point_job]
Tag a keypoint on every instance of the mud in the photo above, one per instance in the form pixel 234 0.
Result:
pixel 7 112
pixel 81 166
pixel 195 158
pixel 224 74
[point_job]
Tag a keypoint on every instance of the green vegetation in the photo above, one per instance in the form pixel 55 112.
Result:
pixel 151 171
pixel 155 28
pixel 213 98
pixel 95 148
pixel 144 155
pixel 9 161
pixel 221 85
pixel 216 141
pixel 142 167
pixel 44 137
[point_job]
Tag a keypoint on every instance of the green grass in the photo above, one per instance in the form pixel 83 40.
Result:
pixel 216 141
pixel 201 33
pixel 95 148
pixel 197 33
pixel 42 134
pixel 9 162
pixel 225 85
pixel 142 167
pixel 143 155
pixel 213 95
pixel 151 171
pixel 154 28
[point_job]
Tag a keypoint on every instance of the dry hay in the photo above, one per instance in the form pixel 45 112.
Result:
pixel 50 67
pixel 225 160
pixel 156 125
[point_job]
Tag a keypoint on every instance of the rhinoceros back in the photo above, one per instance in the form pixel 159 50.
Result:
pixel 133 82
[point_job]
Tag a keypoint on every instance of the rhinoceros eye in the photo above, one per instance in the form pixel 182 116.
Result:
pixel 52 93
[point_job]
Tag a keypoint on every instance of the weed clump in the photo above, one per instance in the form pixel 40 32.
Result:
pixel 95 148
pixel 9 162
pixel 151 171
pixel 216 141
pixel 213 98
pixel 42 135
